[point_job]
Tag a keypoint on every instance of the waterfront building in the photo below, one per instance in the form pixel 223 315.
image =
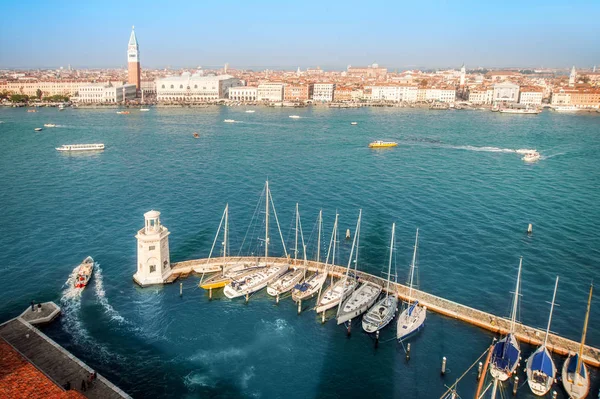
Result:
pixel 343 94
pixel 194 87
pixel 531 95
pixel 370 71
pixel 561 97
pixel 133 61
pixel 358 94
pixel 586 97
pixel 53 87
pixel 148 86
pixel 323 92
pixel 298 92
pixel 154 264
pixel 481 95
pixel 572 77
pixel 272 92
pixel 394 93
pixel 445 95
pixel 105 93
pixel 421 94
pixel 243 93
pixel 506 92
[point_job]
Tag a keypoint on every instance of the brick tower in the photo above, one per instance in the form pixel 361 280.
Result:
pixel 133 61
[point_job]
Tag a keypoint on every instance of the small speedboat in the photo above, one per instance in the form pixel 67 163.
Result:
pixel 229 121
pixel 38 129
pixel 144 109
pixel 354 123
pixel 49 125
pixel 250 111
pixel 196 135
pixel 294 116
pixel 31 110
pixel 532 156
pixel 84 272
pixel 123 112
pixel 383 144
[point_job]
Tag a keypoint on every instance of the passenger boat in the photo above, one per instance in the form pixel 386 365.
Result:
pixel 506 352
pixel 31 110
pixel 259 279
pixel 382 144
pixel 575 376
pixel 38 129
pixel 49 125
pixel 84 272
pixel 541 370
pixel 314 283
pixel 532 156
pixel 80 147
pixel 524 111
pixel 337 292
pixel 565 108
pixel 412 319
pixel 289 280
pixel 294 116
pixel 229 121
pixel 383 311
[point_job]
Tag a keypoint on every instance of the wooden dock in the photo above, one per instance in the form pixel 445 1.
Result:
pixel 487 321
pixel 51 359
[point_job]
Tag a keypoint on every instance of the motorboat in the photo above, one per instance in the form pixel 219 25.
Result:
pixel 383 144
pixel 81 147
pixel 144 109
pixel 229 121
pixel 31 110
pixel 123 112
pixel 532 156
pixel 295 116
pixel 354 123
pixel 196 135
pixel 84 273
pixel 38 129
pixel 250 111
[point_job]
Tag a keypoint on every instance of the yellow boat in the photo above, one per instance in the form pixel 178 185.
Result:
pixel 216 281
pixel 382 144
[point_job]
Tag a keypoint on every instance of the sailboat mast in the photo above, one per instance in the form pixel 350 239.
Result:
pixel 551 310
pixel 516 300
pixel 585 324
pixel 226 231
pixel 319 238
pixel 357 236
pixel 354 243
pixel 296 246
pixel 390 263
pixel 266 221
pixel 412 267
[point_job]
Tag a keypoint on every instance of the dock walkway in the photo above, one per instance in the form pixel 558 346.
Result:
pixel 488 321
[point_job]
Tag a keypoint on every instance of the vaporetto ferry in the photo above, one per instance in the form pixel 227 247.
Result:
pixel 81 147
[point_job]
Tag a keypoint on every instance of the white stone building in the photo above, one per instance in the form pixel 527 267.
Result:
pixel 394 93
pixel 506 92
pixel 106 93
pixel 323 92
pixel 442 95
pixel 154 264
pixel 195 88
pixel 561 97
pixel 481 95
pixel 272 92
pixel 243 93
pixel 531 95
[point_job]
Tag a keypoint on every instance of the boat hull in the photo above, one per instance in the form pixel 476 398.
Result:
pixel 253 282
pixel 498 369
pixel 285 283
pixel 84 273
pixel 333 294
pixel 313 284
pixel 359 302
pixel 540 382
pixel 410 323
pixel 576 386
pixel 380 315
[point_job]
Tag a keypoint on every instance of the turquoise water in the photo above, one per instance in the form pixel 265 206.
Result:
pixel 454 175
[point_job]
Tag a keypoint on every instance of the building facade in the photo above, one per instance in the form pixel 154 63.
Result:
pixel 272 92
pixel 106 93
pixel 195 88
pixel 301 92
pixel 531 95
pixel 370 71
pixel 29 87
pixel 444 95
pixel 323 92
pixel 481 95
pixel 394 93
pixel 506 92
pixel 134 72
pixel 243 93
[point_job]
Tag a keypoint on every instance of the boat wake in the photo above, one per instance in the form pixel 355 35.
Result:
pixel 492 149
pixel 101 296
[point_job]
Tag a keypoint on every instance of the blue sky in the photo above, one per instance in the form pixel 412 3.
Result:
pixel 331 34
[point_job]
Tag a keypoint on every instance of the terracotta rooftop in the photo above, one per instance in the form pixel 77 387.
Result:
pixel 20 379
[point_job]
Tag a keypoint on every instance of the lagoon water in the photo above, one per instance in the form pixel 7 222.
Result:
pixel 455 175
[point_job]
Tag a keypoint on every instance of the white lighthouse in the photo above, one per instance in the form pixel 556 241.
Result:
pixel 154 264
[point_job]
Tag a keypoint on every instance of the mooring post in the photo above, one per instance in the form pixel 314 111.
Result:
pixel 247 297
pixel 515 385
pixel 277 299
pixel 180 289
pixel 444 365
pixel 554 394
pixel 530 229
pixel 323 317
pixel 299 306
pixel 479 368
pixel 376 339
pixel 210 294
pixel 349 328
pixel 408 351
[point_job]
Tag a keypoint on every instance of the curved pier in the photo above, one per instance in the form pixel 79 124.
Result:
pixel 488 321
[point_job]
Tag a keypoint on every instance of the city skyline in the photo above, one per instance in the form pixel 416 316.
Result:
pixel 286 37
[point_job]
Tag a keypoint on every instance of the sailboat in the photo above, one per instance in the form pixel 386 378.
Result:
pixel 286 282
pixel 362 297
pixel 412 319
pixel 575 377
pixel 541 370
pixel 336 292
pixel 383 312
pixel 314 282
pixel 255 281
pixel 506 353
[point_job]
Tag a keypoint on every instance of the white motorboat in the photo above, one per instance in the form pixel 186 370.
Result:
pixel 81 147
pixel 354 123
pixel 144 109
pixel 84 273
pixel 532 156
pixel 295 116
pixel 229 121
pixel 575 375
pixel 38 129
pixel 506 352
pixel 250 111
pixel 49 125
pixel 412 319
pixel 541 370
pixel 383 311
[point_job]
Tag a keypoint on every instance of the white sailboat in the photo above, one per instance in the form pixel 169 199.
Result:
pixel 362 296
pixel 258 280
pixel 575 376
pixel 336 292
pixel 506 352
pixel 286 282
pixel 412 319
pixel 541 370
pixel 383 311
pixel 314 282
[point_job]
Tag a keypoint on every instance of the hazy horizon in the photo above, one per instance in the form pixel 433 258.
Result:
pixel 398 36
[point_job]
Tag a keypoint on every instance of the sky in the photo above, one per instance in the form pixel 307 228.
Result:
pixel 287 34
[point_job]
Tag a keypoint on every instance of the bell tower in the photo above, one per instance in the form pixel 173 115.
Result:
pixel 133 61
pixel 153 261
